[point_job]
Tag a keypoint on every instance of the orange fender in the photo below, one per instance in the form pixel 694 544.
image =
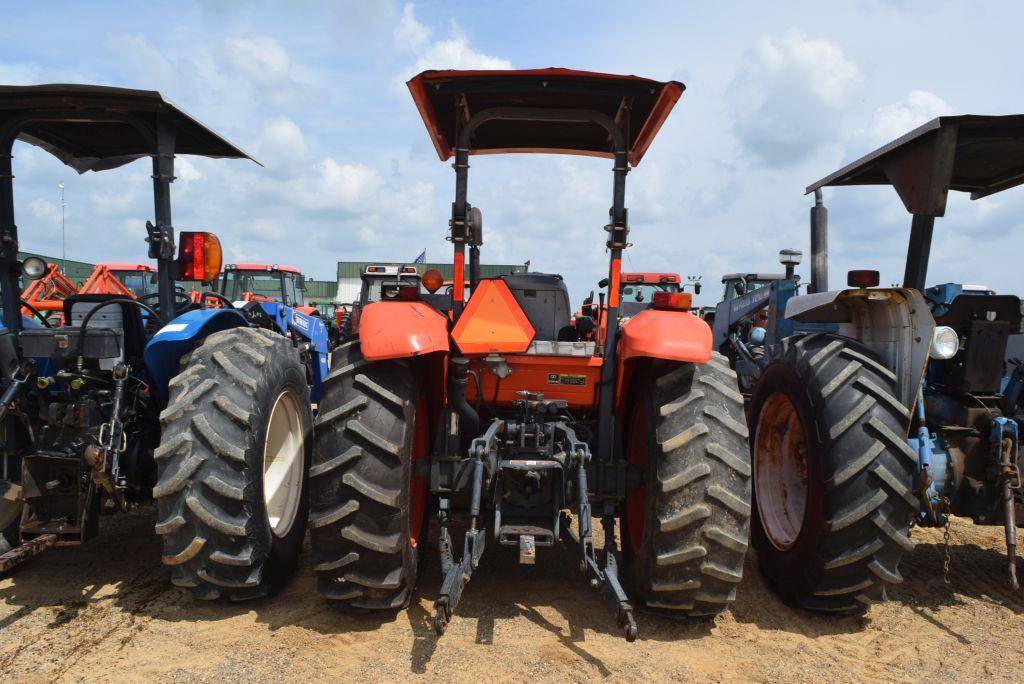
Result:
pixel 656 334
pixel 395 330
pixel 308 310
pixel 671 335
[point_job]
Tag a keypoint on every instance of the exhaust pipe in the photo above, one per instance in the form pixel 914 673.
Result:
pixel 819 244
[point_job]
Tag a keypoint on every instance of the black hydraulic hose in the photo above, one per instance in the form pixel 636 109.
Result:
pixel 457 397
pixel 120 300
pixel 36 312
pixel 479 389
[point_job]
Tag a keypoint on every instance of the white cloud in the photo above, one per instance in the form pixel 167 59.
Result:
pixel 894 120
pixel 821 63
pixel 450 52
pixel 234 71
pixel 787 96
pixel 21 73
pixel 410 34
pixel 45 212
pixel 186 171
pixel 261 58
pixel 281 143
pixel 114 202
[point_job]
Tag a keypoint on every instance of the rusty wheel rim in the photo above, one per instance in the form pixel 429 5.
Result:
pixel 780 477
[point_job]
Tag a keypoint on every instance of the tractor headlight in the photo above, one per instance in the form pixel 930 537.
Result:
pixel 945 343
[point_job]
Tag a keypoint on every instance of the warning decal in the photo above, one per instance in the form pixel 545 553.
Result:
pixel 566 379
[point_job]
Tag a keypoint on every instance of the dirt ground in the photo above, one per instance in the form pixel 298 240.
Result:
pixel 107 611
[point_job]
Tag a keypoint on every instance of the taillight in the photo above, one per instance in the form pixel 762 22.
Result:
pixel 408 293
pixel 862 278
pixel 677 301
pixel 199 256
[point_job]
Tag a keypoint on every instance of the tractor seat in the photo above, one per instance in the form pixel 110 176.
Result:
pixel 125 318
pixel 544 299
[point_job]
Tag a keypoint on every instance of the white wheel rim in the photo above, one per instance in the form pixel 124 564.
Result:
pixel 283 452
pixel 780 475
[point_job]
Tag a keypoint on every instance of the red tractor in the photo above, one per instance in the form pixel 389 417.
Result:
pixel 266 283
pixel 637 290
pixel 501 410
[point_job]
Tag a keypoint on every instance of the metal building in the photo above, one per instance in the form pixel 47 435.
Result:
pixel 349 273
pixel 323 293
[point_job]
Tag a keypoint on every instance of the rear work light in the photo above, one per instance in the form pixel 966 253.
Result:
pixel 199 256
pixel 677 301
pixel 862 278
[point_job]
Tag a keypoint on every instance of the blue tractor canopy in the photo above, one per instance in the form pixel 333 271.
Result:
pixel 981 155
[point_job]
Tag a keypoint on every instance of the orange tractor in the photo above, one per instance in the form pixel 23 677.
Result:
pixel 502 412
pixel 127 279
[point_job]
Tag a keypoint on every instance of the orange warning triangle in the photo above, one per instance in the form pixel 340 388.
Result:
pixel 493 321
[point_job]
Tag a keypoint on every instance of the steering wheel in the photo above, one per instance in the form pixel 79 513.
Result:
pixel 179 297
pixel 218 296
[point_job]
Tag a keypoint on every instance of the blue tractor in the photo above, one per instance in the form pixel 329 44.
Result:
pixel 875 409
pixel 203 409
pixel 272 297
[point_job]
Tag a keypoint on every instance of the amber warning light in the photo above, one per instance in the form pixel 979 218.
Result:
pixel 679 301
pixel 199 256
pixel 432 280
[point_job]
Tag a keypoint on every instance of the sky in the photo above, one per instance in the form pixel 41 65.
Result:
pixel 778 95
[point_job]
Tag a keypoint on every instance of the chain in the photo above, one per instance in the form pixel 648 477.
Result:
pixel 946 560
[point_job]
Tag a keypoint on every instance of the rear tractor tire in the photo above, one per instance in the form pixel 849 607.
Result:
pixel 232 488
pixel 685 528
pixel 368 499
pixel 832 474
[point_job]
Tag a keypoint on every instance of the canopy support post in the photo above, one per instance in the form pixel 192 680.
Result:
pixel 161 238
pixel 9 267
pixel 918 252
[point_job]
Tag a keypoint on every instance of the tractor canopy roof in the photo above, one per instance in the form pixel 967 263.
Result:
pixel 753 276
pixel 127 266
pixel 638 106
pixel 92 128
pixel 261 267
pixel 981 155
pixel 648 277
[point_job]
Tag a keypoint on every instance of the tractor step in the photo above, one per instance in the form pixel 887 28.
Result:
pixel 20 554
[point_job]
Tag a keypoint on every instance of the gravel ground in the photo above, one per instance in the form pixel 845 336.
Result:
pixel 107 612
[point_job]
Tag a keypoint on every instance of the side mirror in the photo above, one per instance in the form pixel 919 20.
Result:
pixel 300 282
pixel 696 288
pixel 475 222
pixel 199 256
pixel 602 283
